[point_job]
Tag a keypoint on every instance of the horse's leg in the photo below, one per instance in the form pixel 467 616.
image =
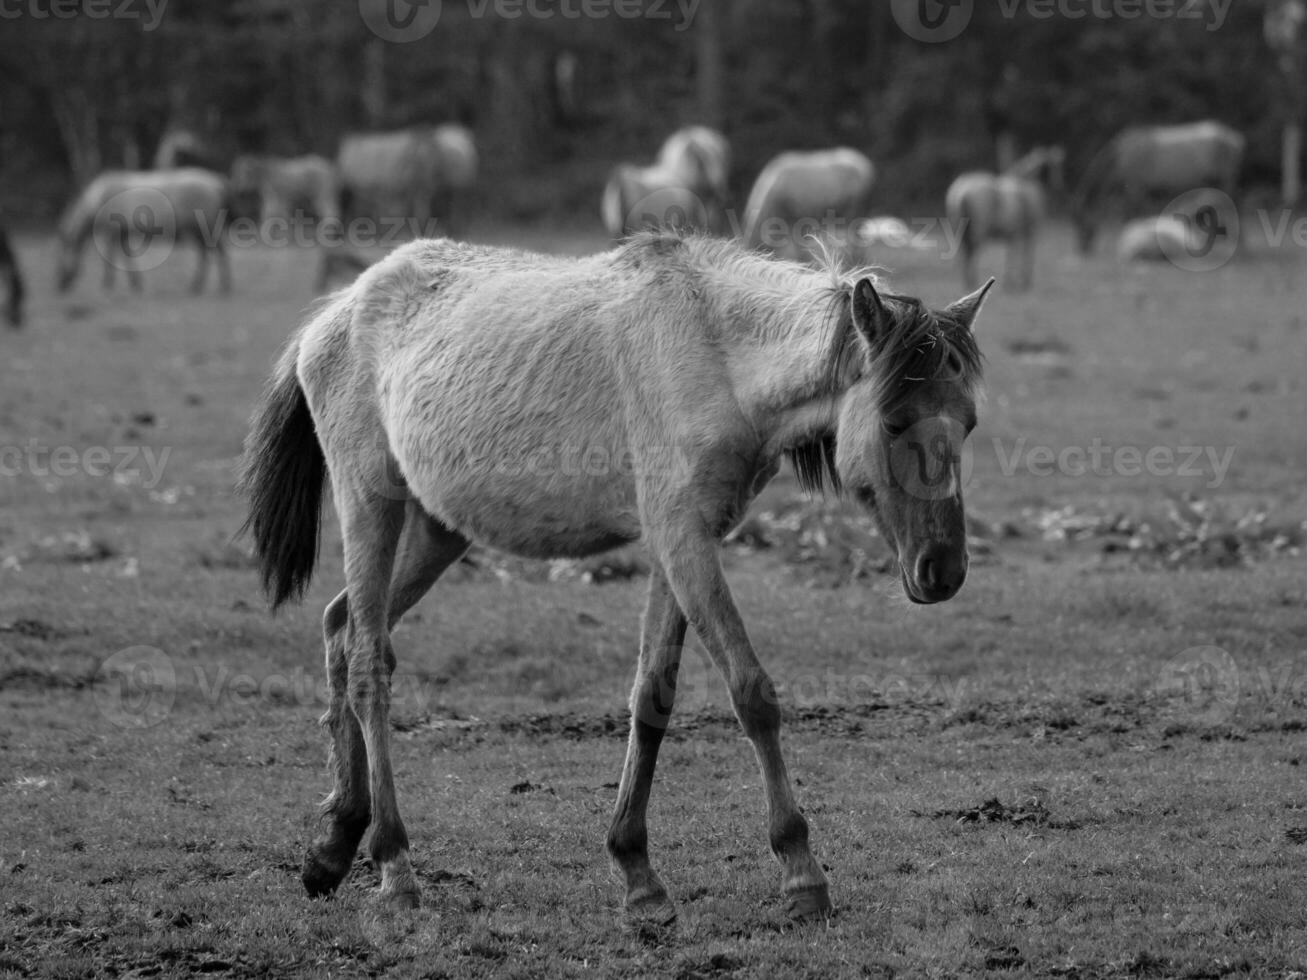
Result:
pixel 106 244
pixel 426 549
pixel 661 640
pixel 202 263
pixel 224 265
pixel 347 810
pixel 694 571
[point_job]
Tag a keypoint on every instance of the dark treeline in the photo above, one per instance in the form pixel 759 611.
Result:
pixel 289 76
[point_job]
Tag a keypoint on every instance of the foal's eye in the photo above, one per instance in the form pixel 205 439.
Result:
pixel 865 496
pixel 892 430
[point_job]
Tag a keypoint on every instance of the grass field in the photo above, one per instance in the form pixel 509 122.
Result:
pixel 1088 764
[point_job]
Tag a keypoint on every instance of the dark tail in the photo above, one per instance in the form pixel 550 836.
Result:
pixel 283 475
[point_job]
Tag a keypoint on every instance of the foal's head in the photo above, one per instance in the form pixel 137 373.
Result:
pixel 901 426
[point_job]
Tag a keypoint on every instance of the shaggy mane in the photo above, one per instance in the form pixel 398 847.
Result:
pixel 920 345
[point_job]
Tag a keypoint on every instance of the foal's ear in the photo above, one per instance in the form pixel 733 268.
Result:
pixel 869 313
pixel 969 306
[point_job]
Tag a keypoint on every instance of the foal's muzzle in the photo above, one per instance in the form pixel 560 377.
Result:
pixel 937 574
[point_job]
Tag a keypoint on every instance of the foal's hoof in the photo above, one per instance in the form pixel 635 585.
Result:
pixel 405 900
pixel 807 904
pixel 650 908
pixel 321 877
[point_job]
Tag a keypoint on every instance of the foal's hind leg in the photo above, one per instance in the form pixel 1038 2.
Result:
pixel 661 640
pixel 360 662
pixel 347 810
pixel 426 549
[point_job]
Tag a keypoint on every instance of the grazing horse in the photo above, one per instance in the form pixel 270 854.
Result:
pixel 1144 163
pixel 9 268
pixel 409 173
pixel 437 391
pixel 687 188
pixel 131 212
pixel 798 195
pixel 1009 207
pixel 308 183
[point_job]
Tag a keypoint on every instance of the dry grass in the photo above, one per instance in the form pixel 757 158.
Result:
pixel 1127 734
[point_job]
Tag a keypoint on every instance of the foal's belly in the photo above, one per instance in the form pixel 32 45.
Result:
pixel 535 518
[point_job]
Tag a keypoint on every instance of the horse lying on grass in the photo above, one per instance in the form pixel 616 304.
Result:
pixel 427 390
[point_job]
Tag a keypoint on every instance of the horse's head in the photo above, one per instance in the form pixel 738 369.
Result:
pixel 901 428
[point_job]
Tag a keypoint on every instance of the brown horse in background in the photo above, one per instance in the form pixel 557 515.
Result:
pixel 1144 163
pixel 686 188
pixel 410 174
pixel 284 185
pixel 798 195
pixel 1010 207
pixel 129 212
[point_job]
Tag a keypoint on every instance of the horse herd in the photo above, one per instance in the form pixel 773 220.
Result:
pixel 798 196
pixel 427 172
pixel 420 173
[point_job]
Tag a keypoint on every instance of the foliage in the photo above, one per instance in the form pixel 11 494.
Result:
pixel 281 76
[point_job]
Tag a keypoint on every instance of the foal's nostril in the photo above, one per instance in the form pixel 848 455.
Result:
pixel 928 573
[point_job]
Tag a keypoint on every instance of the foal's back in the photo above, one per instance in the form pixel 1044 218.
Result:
pixel 521 396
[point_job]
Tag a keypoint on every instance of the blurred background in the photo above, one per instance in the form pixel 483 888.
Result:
pixel 556 100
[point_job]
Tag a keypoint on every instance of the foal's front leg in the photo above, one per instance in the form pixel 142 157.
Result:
pixel 661 639
pixel 694 570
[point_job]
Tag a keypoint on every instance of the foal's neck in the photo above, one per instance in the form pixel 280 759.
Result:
pixel 788 378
